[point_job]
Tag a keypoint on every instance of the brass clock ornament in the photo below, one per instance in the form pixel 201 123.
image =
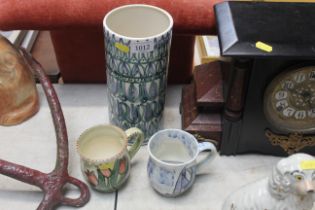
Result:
pixel 289 100
pixel 292 143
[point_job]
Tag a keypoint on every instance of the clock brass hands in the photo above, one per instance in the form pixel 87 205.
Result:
pixel 304 96
pixel 291 143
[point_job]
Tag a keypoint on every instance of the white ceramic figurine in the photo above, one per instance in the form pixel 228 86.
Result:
pixel 290 187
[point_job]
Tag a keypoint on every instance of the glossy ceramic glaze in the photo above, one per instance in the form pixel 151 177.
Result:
pixel 137 42
pixel 105 159
pixel 291 186
pixel 172 165
pixel 18 93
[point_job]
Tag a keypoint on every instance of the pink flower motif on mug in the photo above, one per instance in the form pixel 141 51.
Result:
pixel 122 166
pixel 91 177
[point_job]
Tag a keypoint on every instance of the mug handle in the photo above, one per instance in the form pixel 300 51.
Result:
pixel 205 146
pixel 135 146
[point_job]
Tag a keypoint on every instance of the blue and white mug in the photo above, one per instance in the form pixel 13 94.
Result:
pixel 137 44
pixel 173 164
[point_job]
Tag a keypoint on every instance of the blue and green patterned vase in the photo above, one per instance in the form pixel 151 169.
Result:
pixel 137 75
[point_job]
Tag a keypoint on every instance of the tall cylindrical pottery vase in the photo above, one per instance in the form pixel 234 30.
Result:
pixel 137 43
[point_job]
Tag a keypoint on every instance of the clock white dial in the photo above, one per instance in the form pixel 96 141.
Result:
pixel 289 100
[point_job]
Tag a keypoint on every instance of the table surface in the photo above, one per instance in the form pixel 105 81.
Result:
pixel 33 144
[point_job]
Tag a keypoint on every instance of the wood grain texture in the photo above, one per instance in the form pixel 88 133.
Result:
pixel 205 125
pixel 209 86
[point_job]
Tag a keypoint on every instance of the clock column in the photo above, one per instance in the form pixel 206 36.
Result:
pixel 237 89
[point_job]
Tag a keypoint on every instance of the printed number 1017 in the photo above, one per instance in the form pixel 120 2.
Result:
pixel 142 47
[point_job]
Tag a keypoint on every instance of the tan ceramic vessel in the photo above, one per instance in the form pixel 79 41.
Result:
pixel 18 95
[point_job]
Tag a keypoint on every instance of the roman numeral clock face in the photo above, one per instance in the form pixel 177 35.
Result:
pixel 289 100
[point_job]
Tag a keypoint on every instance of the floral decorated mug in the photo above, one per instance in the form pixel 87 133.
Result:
pixel 105 158
pixel 173 164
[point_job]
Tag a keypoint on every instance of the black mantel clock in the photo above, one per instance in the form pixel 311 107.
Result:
pixel 270 95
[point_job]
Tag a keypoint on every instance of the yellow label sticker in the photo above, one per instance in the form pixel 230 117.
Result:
pixel 122 47
pixel 263 46
pixel 307 164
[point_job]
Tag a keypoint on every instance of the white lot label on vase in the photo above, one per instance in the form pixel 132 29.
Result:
pixel 141 47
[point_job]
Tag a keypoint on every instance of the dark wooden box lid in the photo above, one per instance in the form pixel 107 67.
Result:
pixel 242 24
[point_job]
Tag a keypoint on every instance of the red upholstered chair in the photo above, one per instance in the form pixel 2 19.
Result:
pixel 77 32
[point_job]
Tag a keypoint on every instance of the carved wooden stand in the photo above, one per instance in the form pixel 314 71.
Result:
pixel 52 183
pixel 202 103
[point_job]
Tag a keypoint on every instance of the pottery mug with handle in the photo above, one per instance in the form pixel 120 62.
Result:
pixel 173 164
pixel 105 157
pixel 137 46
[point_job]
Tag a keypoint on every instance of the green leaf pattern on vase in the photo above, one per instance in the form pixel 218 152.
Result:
pixel 137 82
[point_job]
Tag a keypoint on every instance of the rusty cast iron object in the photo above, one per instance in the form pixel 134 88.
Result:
pixel 52 183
